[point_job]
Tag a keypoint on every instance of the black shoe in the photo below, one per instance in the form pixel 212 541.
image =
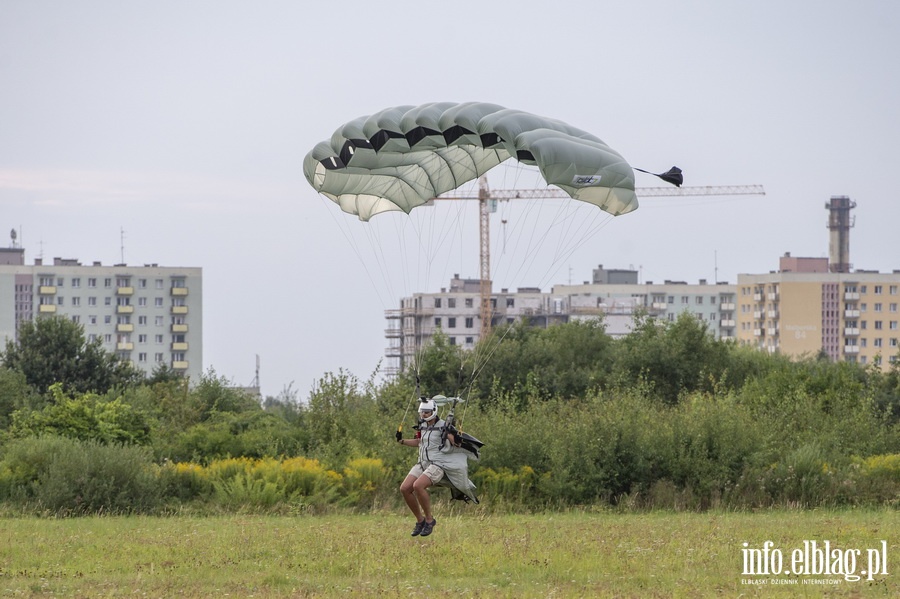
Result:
pixel 418 529
pixel 427 527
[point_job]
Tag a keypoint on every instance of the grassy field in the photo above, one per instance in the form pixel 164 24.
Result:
pixel 470 554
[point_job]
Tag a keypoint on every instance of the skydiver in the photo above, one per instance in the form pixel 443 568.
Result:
pixel 441 460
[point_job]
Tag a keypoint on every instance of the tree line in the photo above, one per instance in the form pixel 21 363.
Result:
pixel 667 416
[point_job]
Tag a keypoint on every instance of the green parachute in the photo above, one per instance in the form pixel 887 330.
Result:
pixel 404 156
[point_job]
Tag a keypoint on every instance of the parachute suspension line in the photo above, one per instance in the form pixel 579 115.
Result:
pixel 354 245
pixel 583 238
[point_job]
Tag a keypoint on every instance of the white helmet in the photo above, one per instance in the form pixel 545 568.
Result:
pixel 428 406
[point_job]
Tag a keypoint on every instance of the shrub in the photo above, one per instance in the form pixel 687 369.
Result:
pixel 71 477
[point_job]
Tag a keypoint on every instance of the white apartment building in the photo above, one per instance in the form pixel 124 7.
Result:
pixel 149 315
pixel 456 310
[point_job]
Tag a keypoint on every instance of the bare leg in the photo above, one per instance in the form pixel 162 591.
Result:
pixel 409 496
pixel 421 490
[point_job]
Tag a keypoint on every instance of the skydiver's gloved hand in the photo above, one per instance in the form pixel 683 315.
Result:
pixel 399 436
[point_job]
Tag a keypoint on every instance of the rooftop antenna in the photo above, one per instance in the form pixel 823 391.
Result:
pixel 12 236
pixel 122 243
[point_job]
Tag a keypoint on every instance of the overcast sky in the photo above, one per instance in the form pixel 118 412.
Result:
pixel 185 125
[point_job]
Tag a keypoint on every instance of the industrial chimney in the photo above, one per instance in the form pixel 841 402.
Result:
pixel 839 223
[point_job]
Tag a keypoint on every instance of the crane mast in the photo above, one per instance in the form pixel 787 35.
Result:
pixel 484 223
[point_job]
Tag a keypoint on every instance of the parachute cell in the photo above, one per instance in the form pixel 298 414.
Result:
pixel 404 156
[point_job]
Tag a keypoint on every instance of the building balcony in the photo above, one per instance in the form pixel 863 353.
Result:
pixel 180 364
pixel 758 333
pixel 178 291
pixel 851 349
pixel 659 306
pixel 179 328
pixel 124 346
pixel 851 332
pixel 179 346
pixel 851 295
pixel 726 307
pixel 757 315
pixel 392 314
pixel 728 324
pixel 124 327
pixel 47 290
pixel 772 314
pixel 393 352
pixel 851 313
pixel 124 309
pixel 772 297
pixel 757 297
pixel 179 309
pixel 124 290
pixel 393 333
pixel 47 308
pixel 771 331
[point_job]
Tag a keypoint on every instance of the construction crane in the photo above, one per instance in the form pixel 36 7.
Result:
pixel 484 226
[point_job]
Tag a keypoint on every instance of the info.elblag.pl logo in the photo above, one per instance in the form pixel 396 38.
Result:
pixel 815 559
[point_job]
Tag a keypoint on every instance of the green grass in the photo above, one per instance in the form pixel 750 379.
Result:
pixel 471 554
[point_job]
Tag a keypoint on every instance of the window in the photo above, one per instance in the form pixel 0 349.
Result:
pixel 470 322
pixel 91 338
pixel 877 342
pixel 46 281
pixel 878 306
pixel 158 321
pixel 892 307
pixel 159 283
pixel 470 340
pixel 142 301
pixel 158 357
pixel 92 319
pixel 893 289
pixel 712 300
pixel 59 282
pixel 469 302
pixel 510 302
pixel 76 301
pixel 699 299
pixel 437 302
pixel 92 283
pixel 107 283
pixel 684 299
pixel 893 326
pixel 92 301
pixel 142 283
pixel 76 282
pixel 158 302
pixel 878 289
pixel 142 338
pixel 451 302
pixel 107 301
pixel 76 318
pixel 452 340
pixel 142 320
pixel 60 300
pixel 158 339
pixel 671 299
pixel 451 323
pixel 107 338
pixel 877 325
pixel 437 322
pixel 142 357
pixel 107 319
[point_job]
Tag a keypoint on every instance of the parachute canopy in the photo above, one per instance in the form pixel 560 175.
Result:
pixel 404 156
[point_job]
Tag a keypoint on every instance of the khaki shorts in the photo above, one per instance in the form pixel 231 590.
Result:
pixel 435 473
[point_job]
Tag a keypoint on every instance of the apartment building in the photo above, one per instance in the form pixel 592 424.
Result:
pixel 456 310
pixel 804 309
pixel 149 315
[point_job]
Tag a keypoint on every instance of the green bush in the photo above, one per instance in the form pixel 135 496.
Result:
pixel 81 477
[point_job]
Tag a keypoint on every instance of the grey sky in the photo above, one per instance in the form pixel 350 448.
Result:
pixel 185 124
